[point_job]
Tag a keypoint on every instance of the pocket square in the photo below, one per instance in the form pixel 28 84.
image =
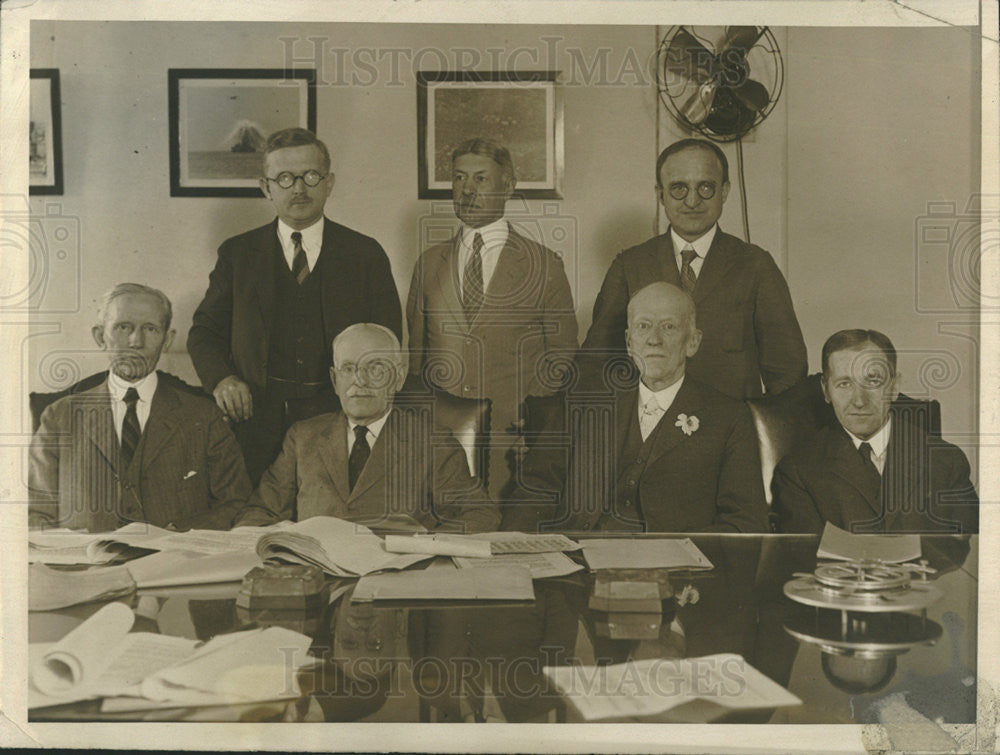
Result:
pixel 190 474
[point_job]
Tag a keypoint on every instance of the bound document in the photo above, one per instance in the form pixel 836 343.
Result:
pixel 338 547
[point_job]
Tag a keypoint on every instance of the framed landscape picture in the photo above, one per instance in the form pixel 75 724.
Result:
pixel 220 119
pixel 45 175
pixel 522 110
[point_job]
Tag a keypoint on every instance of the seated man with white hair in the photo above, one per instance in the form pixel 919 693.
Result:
pixel 136 448
pixel 372 462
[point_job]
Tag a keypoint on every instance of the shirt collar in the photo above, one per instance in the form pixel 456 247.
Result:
pixel 146 387
pixel 494 235
pixel 879 441
pixel 701 244
pixel 664 397
pixel 375 428
pixel 312 236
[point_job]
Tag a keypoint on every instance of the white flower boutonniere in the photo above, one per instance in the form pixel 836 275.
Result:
pixel 688 424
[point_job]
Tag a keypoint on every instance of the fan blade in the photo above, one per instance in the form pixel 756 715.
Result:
pixel 729 116
pixel 752 94
pixel 699 104
pixel 688 58
pixel 740 38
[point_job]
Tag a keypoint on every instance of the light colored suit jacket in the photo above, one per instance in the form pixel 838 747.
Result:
pixel 507 351
pixel 187 470
pixel 415 470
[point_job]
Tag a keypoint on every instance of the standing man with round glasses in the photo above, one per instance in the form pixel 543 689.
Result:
pixel 751 336
pixel 280 294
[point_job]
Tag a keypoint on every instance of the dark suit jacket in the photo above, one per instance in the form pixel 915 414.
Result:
pixel 232 326
pixel 415 469
pixel 925 485
pixel 707 481
pixel 187 471
pixel 743 309
pixel 507 352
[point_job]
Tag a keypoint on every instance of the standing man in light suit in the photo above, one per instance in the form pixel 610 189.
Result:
pixel 751 334
pixel 280 294
pixel 489 310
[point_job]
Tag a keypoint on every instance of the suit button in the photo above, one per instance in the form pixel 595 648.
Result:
pixel 298 361
pixel 467 388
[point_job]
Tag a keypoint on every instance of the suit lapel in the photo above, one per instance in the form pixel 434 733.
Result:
pixel 667 435
pixel 332 449
pixel 662 261
pixel 510 270
pixel 161 424
pixel 262 271
pixel 448 280
pixel 100 423
pixel 717 263
pixel 847 464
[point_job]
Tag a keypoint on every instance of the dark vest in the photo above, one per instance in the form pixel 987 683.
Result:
pixel 298 351
pixel 626 507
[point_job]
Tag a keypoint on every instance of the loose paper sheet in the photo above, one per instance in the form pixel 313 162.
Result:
pixel 843 545
pixel 540 565
pixel 665 553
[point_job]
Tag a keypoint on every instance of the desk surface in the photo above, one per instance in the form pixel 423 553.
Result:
pixel 444 662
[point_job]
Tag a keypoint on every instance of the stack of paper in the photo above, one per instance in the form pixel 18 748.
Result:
pixel 102 658
pixel 442 581
pixel 138 538
pixel 49 589
pixel 654 553
pixel 843 545
pixel 339 547
pixel 639 689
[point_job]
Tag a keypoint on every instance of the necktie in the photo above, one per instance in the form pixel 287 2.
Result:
pixel 650 417
pixel 688 278
pixel 300 265
pixel 130 428
pixel 865 449
pixel 359 455
pixel 472 280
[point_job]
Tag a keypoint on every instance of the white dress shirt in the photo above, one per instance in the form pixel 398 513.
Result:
pixel 312 242
pixel 494 238
pixel 374 428
pixel 664 398
pixel 879 443
pixel 701 245
pixel 117 387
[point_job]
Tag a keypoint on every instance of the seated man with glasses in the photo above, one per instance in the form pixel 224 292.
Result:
pixel 280 293
pixel 136 448
pixel 751 334
pixel 873 470
pixel 372 462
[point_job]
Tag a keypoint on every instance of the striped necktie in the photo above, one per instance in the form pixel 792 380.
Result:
pixel 472 280
pixel 300 265
pixel 688 278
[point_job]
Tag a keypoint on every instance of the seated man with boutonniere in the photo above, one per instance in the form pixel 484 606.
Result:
pixel 669 455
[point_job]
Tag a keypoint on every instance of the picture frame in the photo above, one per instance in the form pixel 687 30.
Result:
pixel 522 110
pixel 220 119
pixel 45 165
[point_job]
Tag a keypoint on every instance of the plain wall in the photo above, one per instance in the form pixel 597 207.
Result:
pixel 872 125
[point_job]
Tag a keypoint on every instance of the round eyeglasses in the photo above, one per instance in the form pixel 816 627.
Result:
pixel 706 190
pixel 286 180
pixel 376 373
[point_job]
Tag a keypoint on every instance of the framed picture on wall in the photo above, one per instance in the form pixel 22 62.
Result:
pixel 45 175
pixel 220 119
pixel 522 110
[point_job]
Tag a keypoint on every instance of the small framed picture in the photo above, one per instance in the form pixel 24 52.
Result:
pixel 45 174
pixel 220 119
pixel 521 110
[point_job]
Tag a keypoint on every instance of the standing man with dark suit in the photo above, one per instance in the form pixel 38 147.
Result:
pixel 279 295
pixel 744 308
pixel 489 310
pixel 136 448
pixel 873 469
